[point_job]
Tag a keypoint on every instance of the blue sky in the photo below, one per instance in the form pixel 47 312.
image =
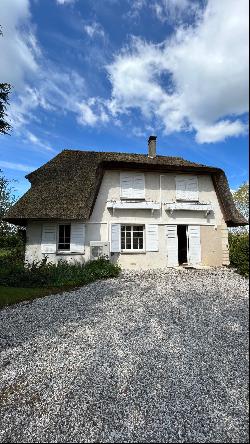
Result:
pixel 106 74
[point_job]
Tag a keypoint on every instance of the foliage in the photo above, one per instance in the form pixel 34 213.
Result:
pixel 241 199
pixel 4 96
pixel 6 201
pixel 239 252
pixel 14 273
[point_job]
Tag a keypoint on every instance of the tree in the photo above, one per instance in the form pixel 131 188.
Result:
pixel 241 199
pixel 6 201
pixel 4 101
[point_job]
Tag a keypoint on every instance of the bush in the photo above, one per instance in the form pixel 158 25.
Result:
pixel 239 252
pixel 14 273
pixel 13 245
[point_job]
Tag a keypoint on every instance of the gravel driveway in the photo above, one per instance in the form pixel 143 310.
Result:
pixel 148 357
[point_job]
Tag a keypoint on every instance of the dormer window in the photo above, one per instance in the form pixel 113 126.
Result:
pixel 187 188
pixel 132 186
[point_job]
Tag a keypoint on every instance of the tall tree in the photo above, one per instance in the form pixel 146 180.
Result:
pixel 4 101
pixel 6 201
pixel 241 199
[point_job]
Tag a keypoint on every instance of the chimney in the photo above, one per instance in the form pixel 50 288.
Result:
pixel 152 147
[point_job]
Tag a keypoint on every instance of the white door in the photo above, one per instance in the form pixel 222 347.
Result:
pixel 194 245
pixel 172 246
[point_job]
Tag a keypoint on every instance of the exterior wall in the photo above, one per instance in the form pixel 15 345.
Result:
pixel 160 188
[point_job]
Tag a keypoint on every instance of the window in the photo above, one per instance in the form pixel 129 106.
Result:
pixel 64 237
pixel 132 237
pixel 187 188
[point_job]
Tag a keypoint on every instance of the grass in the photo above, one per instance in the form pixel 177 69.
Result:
pixel 13 295
pixel 4 252
pixel 23 283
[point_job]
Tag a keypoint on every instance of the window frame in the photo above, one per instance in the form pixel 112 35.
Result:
pixel 63 250
pixel 133 250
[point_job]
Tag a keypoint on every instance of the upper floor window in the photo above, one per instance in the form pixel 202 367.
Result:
pixel 64 237
pixel 187 188
pixel 132 185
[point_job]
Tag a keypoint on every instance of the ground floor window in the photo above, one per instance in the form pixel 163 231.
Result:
pixel 132 237
pixel 64 237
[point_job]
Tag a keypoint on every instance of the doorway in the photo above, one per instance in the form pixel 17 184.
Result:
pixel 182 244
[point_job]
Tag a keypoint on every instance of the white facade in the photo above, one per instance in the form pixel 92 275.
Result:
pixel 147 208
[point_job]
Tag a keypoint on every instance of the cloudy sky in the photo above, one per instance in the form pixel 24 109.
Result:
pixel 106 74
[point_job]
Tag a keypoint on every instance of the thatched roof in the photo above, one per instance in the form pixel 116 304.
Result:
pixel 66 187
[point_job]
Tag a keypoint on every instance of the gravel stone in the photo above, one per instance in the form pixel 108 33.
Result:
pixel 152 356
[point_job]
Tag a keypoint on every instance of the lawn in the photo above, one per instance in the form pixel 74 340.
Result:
pixel 13 295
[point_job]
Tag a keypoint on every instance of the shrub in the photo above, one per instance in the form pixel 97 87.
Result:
pixel 239 252
pixel 13 245
pixel 16 274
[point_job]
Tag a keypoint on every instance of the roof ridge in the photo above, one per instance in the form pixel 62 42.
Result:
pixel 120 153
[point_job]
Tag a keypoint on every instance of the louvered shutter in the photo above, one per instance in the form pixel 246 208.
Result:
pixel 192 189
pixel 152 237
pixel 48 244
pixel 138 187
pixel 132 185
pixel 180 188
pixel 77 237
pixel 194 245
pixel 172 246
pixel 115 236
pixel 126 184
pixel 187 188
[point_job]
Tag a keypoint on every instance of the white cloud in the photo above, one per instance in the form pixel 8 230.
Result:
pixel 17 166
pixel 18 47
pixel 64 2
pixel 39 84
pixel 206 68
pixel 220 131
pixel 92 111
pixel 177 10
pixel 94 29
pixel 38 142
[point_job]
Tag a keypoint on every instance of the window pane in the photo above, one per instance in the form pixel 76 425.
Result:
pixel 64 237
pixel 123 227
pixel 128 241
pixel 138 240
pixel 67 230
pixel 61 232
pixel 138 228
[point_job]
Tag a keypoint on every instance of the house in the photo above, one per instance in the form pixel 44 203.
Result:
pixel 145 211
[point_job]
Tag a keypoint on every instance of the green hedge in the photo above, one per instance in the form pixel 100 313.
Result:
pixel 239 252
pixel 13 273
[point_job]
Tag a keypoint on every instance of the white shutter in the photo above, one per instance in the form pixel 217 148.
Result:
pixel 132 185
pixel 152 237
pixel 77 237
pixel 138 187
pixel 180 188
pixel 172 245
pixel 194 245
pixel 48 244
pixel 115 238
pixel 126 183
pixel 187 188
pixel 192 188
